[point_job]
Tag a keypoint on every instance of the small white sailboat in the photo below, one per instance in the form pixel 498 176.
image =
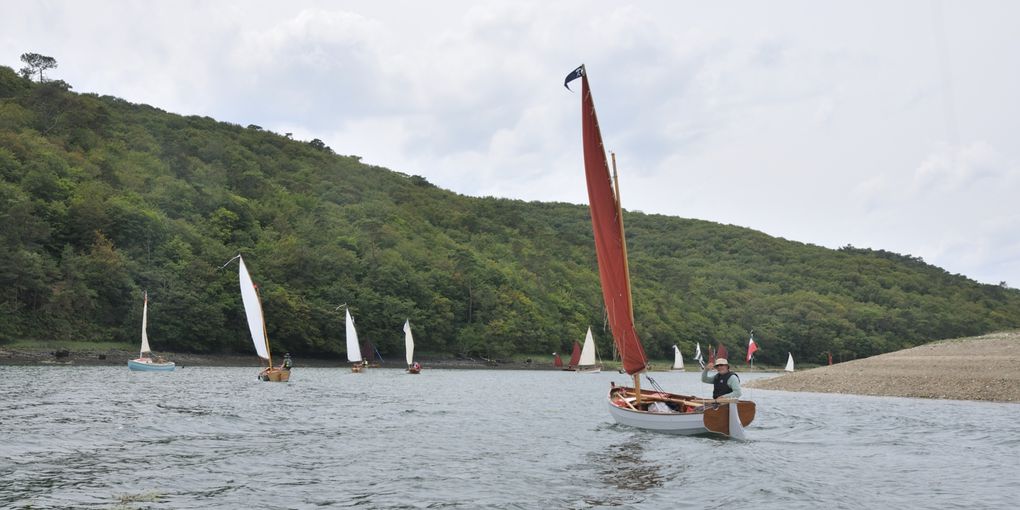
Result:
pixel 412 367
pixel 678 359
pixel 789 363
pixel 587 361
pixel 144 362
pixel 353 347
pixel 257 326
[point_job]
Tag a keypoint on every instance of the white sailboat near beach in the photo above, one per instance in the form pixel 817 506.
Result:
pixel 678 359
pixel 789 363
pixel 144 362
pixel 587 362
pixel 353 347
pixel 412 367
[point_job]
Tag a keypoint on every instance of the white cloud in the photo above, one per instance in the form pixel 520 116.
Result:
pixel 781 117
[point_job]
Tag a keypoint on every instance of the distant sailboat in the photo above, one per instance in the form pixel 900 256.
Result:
pixel 586 361
pixel 789 363
pixel 145 363
pixel 575 357
pixel 412 367
pixel 678 359
pixel 257 326
pixel 557 361
pixel 353 349
pixel 645 409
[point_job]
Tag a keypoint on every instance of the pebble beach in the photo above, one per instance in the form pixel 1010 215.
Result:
pixel 983 368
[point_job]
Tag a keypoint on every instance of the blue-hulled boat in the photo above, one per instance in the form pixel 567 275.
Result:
pixel 144 362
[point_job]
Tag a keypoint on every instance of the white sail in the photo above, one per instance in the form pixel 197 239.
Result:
pixel 145 320
pixel 789 363
pixel 353 346
pixel 408 342
pixel 697 356
pixel 253 310
pixel 678 359
pixel 587 351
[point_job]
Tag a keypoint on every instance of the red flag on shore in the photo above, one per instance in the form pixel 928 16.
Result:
pixel 751 348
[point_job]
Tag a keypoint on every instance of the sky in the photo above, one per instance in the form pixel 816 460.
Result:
pixel 885 125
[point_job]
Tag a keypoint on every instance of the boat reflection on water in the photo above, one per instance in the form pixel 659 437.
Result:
pixel 624 467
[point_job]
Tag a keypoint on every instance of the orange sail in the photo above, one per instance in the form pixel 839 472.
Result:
pixel 610 245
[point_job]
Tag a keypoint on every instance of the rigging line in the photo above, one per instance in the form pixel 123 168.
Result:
pixel 654 383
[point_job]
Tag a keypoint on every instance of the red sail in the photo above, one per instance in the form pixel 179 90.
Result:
pixel 722 353
pixel 607 225
pixel 557 362
pixel 575 357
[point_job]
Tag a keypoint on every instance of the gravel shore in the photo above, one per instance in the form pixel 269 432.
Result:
pixel 977 368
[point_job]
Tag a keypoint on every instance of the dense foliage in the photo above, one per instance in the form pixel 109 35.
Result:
pixel 100 199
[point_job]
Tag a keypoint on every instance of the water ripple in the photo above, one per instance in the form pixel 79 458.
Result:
pixel 105 437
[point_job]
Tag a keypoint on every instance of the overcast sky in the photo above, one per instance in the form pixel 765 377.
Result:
pixel 889 125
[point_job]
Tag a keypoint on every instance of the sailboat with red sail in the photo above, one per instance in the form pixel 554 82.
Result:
pixel 575 357
pixel 647 409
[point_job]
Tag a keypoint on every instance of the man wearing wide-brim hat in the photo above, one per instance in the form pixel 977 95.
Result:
pixel 726 384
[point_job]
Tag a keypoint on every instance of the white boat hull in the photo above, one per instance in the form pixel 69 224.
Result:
pixel 688 415
pixel 147 365
pixel 668 423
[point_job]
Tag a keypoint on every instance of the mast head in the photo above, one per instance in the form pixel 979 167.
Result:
pixel 575 74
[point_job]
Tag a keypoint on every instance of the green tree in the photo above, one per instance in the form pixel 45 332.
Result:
pixel 36 64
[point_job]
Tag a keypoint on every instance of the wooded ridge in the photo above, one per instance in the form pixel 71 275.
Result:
pixel 101 198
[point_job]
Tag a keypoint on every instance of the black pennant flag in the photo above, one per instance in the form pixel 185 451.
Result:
pixel 575 74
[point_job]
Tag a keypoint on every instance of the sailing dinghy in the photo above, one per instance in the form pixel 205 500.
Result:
pixel 789 363
pixel 678 359
pixel 144 362
pixel 575 358
pixel 412 367
pixel 257 326
pixel 586 363
pixel 654 410
pixel 353 349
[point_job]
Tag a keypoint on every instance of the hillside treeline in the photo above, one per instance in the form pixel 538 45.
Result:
pixel 101 199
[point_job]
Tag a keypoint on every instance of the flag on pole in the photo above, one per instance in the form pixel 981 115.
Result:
pixel 751 348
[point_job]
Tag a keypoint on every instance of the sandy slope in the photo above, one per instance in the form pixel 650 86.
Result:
pixel 977 368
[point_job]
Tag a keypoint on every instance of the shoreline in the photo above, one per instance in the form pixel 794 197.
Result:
pixel 982 368
pixel 118 357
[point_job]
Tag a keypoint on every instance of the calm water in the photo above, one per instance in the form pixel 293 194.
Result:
pixel 105 437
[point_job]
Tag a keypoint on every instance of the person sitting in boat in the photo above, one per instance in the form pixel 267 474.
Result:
pixel 416 366
pixel 726 384
pixel 286 362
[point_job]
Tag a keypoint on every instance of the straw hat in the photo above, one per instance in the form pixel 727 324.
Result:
pixel 721 361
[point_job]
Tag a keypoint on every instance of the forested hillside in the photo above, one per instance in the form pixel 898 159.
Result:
pixel 101 199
